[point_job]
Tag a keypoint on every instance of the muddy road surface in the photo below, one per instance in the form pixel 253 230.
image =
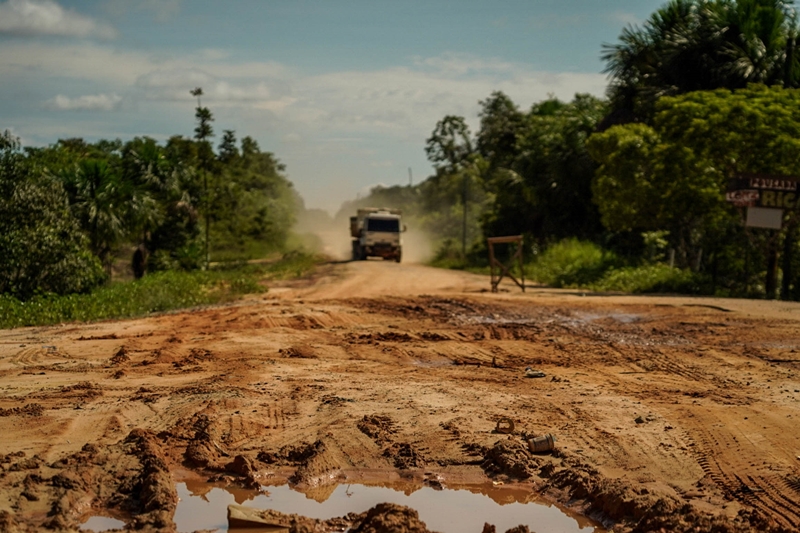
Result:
pixel 669 413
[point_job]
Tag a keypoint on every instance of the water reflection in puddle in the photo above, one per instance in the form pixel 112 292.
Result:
pixel 102 523
pixel 204 506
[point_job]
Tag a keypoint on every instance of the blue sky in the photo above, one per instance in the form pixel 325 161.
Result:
pixel 343 92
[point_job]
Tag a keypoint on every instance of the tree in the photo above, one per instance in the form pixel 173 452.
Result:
pixel 227 149
pixel 163 214
pixel 99 199
pixel 544 189
pixel 691 45
pixel 43 247
pixel 672 176
pixel 255 204
pixel 502 123
pixel 450 144
pixel 202 133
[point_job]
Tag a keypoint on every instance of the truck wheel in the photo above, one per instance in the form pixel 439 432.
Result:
pixel 397 258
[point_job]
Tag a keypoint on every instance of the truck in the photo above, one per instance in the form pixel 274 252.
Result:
pixel 375 232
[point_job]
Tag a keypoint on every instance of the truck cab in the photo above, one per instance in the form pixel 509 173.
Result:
pixel 376 232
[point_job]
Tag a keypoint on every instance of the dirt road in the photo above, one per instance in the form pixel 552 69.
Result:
pixel 669 412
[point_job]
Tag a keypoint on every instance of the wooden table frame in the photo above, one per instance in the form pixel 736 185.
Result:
pixel 498 269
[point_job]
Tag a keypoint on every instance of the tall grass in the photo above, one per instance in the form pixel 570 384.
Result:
pixel 161 291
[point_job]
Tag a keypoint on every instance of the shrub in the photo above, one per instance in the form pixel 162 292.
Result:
pixel 649 278
pixel 42 248
pixel 571 263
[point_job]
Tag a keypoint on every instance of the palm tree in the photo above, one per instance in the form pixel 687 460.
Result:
pixel 691 45
pixel 98 198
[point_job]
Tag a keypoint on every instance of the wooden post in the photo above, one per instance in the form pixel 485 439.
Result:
pixel 498 270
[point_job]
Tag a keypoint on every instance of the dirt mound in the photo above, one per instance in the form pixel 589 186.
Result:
pixel 243 466
pixel 203 449
pixel 298 352
pixel 379 428
pixel 320 468
pixel 292 454
pixel 390 518
pixel 120 358
pixel 31 409
pixel 404 456
pixel 154 485
pixel 510 458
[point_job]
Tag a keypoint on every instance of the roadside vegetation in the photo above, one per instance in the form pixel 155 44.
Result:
pixel 157 292
pixel 700 94
pixel 80 221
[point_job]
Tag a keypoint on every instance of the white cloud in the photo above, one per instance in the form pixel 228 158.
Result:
pixel 408 101
pixel 89 102
pixel 85 62
pixel 403 102
pixel 46 17
pixel 462 64
pixel 175 84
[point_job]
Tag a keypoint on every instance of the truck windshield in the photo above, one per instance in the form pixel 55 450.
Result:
pixel 383 224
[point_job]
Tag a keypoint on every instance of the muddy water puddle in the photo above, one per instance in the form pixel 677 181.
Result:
pixel 204 506
pixel 102 523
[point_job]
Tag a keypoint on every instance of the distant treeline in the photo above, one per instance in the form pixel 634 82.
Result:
pixel 702 92
pixel 70 211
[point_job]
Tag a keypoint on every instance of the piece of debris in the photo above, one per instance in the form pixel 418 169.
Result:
pixel 241 517
pixel 531 373
pixel 644 419
pixel 542 443
pixel 505 425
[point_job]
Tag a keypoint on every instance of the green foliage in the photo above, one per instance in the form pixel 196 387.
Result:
pixel 162 291
pixel 649 278
pixel 98 198
pixel 450 144
pixel 672 176
pixel 42 247
pixel 544 189
pixel 571 263
pixel 695 45
pixel 580 264
pixel 253 205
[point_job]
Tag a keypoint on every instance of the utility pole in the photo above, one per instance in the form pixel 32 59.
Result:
pixel 201 136
pixel 410 178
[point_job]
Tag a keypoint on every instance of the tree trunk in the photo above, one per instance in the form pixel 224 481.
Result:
pixel 772 269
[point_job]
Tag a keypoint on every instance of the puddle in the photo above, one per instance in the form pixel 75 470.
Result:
pixel 102 523
pixel 204 506
pixel 622 318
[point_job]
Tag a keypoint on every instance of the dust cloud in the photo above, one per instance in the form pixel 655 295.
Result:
pixel 417 246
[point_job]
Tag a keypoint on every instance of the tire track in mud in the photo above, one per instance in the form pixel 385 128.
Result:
pixel 727 463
